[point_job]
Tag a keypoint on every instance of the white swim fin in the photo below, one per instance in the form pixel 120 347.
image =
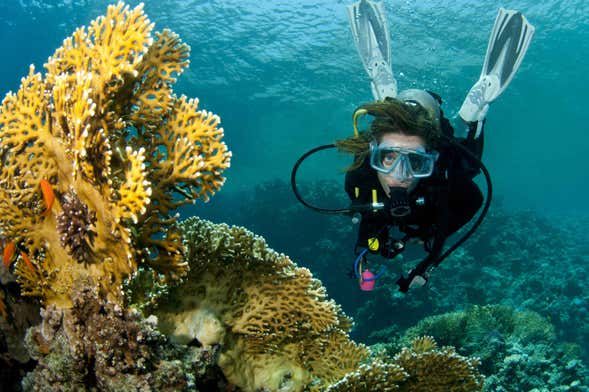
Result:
pixel 508 44
pixel 371 36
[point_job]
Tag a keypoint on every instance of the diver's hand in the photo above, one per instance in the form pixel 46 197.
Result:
pixel 414 279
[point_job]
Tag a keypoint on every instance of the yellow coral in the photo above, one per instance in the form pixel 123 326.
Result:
pixel 276 327
pixel 376 376
pixel 104 127
pixel 277 331
pixel 136 191
pixel 421 367
pixel 436 369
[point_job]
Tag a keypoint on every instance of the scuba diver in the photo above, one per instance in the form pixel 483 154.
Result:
pixel 412 178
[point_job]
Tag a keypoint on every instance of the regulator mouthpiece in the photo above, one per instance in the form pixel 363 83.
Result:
pixel 400 205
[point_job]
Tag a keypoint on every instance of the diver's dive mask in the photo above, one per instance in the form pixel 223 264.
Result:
pixel 402 163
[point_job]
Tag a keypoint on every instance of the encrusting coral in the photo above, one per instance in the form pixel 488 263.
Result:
pixel 98 345
pixel 96 155
pixel 276 327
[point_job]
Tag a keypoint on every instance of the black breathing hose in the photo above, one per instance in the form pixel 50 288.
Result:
pixel 483 213
pixel 293 183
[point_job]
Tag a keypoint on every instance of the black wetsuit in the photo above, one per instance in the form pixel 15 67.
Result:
pixel 440 204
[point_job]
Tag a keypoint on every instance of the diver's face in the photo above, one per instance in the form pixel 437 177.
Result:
pixel 404 141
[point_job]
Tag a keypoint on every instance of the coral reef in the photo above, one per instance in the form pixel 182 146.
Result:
pixel 319 241
pixel 245 317
pixel 95 157
pixel 276 327
pixel 98 345
pixel 377 376
pixel 421 366
pixel 97 154
pixel 437 369
pixel 516 258
pixel 21 314
pixel 518 349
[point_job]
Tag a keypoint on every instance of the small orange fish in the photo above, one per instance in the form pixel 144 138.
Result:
pixel 48 195
pixel 3 310
pixel 27 261
pixel 8 253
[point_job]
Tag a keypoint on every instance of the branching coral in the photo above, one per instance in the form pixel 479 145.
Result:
pixel 103 138
pixel 273 320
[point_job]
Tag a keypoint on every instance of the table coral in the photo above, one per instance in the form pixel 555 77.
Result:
pixel 422 366
pixel 97 154
pixel 432 368
pixel 276 327
pixel 376 376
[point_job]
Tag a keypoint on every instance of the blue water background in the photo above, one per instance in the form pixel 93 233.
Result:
pixel 284 76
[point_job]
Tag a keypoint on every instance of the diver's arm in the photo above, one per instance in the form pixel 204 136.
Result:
pixel 475 138
pixel 463 166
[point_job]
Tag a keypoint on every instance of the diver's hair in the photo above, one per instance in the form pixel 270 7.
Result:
pixel 390 116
